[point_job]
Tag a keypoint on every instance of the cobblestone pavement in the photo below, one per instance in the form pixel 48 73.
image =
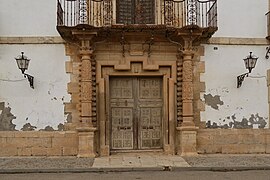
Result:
pixel 236 160
pixel 45 163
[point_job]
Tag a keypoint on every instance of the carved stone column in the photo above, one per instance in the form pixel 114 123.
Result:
pixel 86 129
pixel 186 128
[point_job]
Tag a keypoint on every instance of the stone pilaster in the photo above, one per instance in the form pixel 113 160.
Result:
pixel 86 129
pixel 187 89
pixel 86 85
pixel 186 129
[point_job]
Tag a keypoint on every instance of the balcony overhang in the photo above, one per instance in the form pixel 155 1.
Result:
pixel 174 18
pixel 74 34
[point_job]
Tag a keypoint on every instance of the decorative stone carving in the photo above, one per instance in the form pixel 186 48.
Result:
pixel 87 88
pixel 187 71
pixel 85 70
pixel 179 78
pixel 86 93
pixel 187 91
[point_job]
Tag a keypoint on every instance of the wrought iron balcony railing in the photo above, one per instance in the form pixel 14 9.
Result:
pixel 104 13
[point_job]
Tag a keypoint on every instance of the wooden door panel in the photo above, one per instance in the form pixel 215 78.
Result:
pixel 136 113
pixel 150 107
pixel 122 105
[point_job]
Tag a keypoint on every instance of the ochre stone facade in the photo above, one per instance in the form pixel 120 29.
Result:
pixel 93 63
pixel 32 143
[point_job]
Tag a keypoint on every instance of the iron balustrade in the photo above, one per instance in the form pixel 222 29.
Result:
pixel 172 13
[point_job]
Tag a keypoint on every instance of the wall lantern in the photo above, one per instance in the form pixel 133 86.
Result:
pixel 23 62
pixel 250 63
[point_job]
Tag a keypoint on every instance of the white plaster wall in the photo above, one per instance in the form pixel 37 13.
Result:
pixel 43 105
pixel 222 68
pixel 242 18
pixel 28 18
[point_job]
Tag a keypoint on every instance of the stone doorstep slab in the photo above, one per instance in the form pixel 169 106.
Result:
pixel 123 161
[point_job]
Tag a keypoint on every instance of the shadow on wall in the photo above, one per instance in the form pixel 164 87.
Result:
pixel 254 121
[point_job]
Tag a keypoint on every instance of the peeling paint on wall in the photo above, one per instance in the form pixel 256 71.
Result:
pixel 254 121
pixel 213 101
pixel 47 128
pixel 6 118
pixel 28 127
pixel 61 127
pixel 69 118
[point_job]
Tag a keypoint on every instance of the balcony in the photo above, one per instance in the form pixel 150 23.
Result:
pixel 137 14
pixel 268 25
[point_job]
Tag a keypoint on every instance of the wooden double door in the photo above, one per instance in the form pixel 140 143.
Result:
pixel 136 113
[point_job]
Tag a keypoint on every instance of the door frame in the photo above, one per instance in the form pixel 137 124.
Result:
pixel 165 119
pixel 137 66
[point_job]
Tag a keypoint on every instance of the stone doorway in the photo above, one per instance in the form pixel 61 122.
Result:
pixel 136 113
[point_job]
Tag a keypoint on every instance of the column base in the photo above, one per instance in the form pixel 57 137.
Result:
pixel 187 141
pixel 86 146
pixel 105 151
pixel 168 149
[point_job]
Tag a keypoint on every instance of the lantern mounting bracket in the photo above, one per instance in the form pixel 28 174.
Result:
pixel 240 79
pixel 30 79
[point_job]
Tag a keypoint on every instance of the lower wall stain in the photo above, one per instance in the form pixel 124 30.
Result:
pixel 28 127
pixel 6 118
pixel 254 121
pixel 60 127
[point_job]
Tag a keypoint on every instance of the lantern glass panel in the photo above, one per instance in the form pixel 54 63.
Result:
pixel 254 60
pixel 246 63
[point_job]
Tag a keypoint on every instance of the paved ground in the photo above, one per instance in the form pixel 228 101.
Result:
pixel 45 163
pixel 154 175
pixel 139 162
pixel 223 160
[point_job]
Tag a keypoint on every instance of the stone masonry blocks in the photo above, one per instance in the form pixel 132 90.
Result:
pixel 36 143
